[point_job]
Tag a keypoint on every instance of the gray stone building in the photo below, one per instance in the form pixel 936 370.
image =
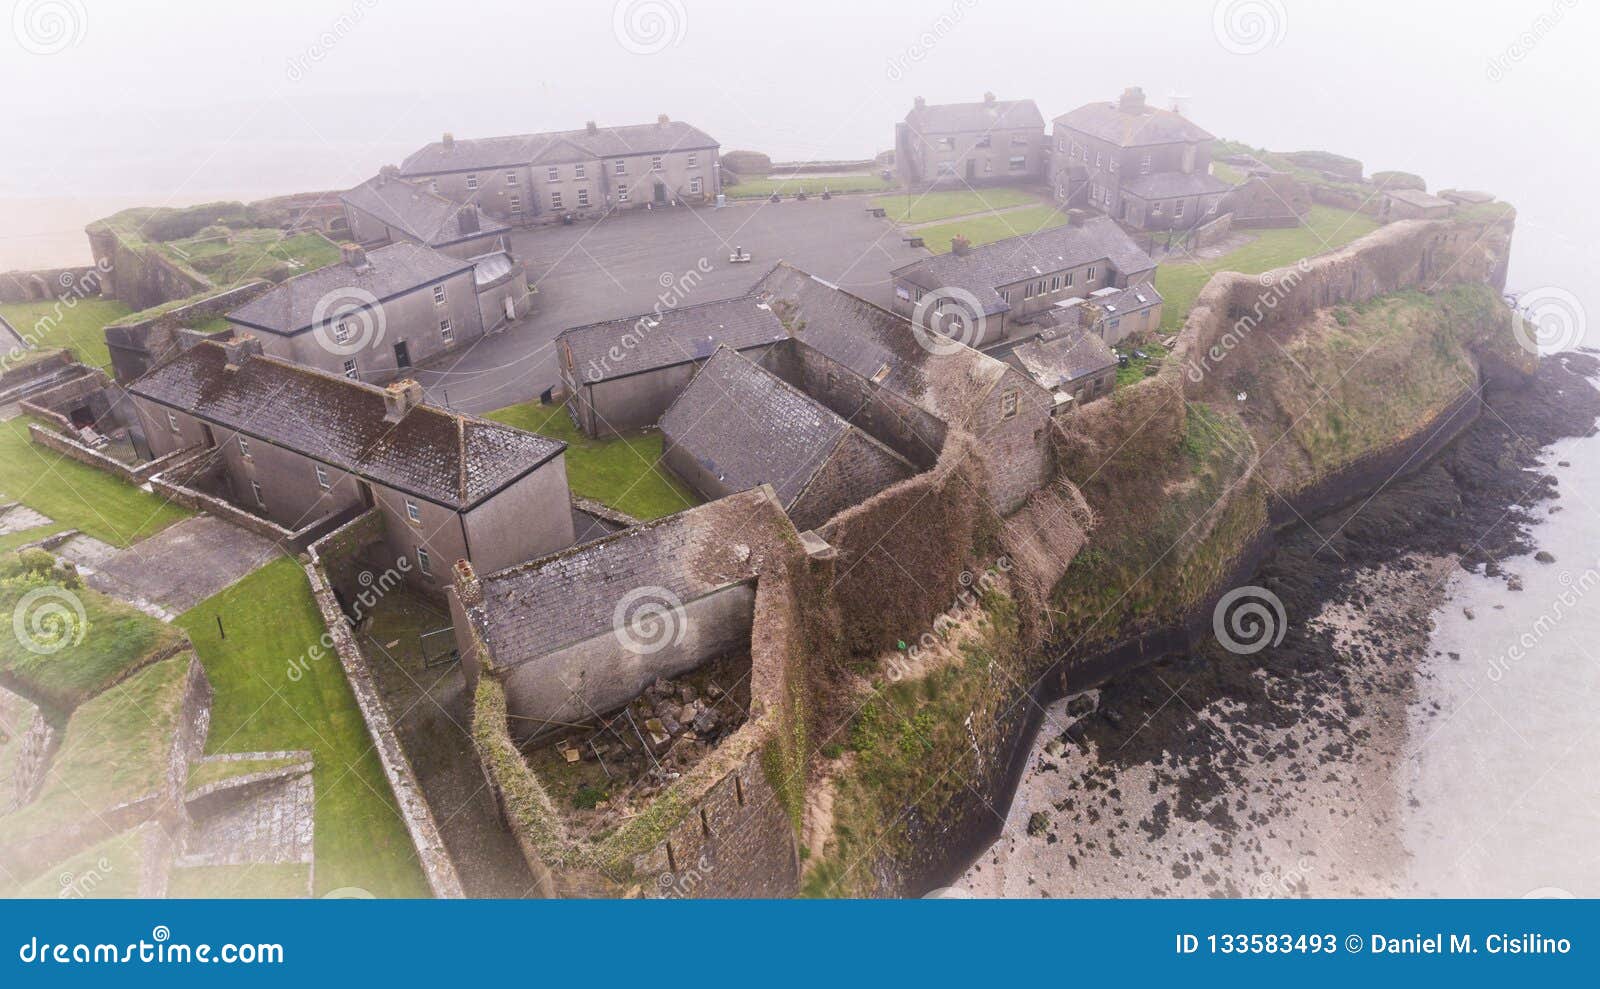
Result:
pixel 738 426
pixel 528 178
pixel 622 374
pixel 1020 279
pixel 982 143
pixel 1074 365
pixel 375 314
pixel 292 445
pixel 386 209
pixel 1146 167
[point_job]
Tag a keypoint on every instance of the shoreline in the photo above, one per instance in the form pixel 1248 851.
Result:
pixel 1286 773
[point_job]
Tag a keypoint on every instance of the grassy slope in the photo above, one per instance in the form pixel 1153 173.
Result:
pixel 988 229
pixel 621 473
pixel 1325 228
pixel 810 185
pixel 117 636
pixel 109 870
pixel 75 495
pixel 927 207
pixel 79 326
pixel 271 623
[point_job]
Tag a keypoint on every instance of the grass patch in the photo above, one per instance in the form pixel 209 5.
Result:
pixel 808 184
pixel 622 472
pixel 271 623
pixel 114 637
pixel 79 325
pixel 943 205
pixel 281 881
pixel 1139 368
pixel 117 748
pixel 1323 229
pixel 76 495
pixel 988 229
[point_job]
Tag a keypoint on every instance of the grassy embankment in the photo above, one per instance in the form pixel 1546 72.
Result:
pixel 624 473
pixel 927 207
pixel 272 622
pixel 78 325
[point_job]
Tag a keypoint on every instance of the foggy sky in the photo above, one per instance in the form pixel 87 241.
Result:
pixel 185 101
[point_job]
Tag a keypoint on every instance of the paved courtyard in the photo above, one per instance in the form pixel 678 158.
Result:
pixel 175 569
pixel 618 266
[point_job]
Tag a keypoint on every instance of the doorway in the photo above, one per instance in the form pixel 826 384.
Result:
pixel 402 356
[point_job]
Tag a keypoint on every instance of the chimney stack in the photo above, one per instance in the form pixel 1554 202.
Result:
pixel 988 98
pixel 449 141
pixel 1132 100
pixel 661 120
pixel 591 127
pixel 388 172
pixel 960 245
pixel 919 103
pixel 400 397
pixel 354 255
pixel 467 219
pixel 238 350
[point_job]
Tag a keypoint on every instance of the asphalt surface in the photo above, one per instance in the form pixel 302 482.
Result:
pixel 624 264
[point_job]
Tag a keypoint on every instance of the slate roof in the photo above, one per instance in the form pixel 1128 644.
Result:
pixel 555 146
pixel 1108 122
pixel 390 271
pixel 982 270
pixel 420 213
pixel 750 427
pixel 616 348
pixel 535 608
pixel 443 457
pixel 1169 185
pixel 879 345
pixel 1058 357
pixel 959 118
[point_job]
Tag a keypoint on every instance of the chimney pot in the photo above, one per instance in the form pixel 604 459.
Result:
pixel 661 120
pixel 400 397
pixel 449 141
pixel 960 245
pixel 239 349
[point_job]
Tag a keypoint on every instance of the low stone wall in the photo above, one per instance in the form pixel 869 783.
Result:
pixel 1210 233
pixel 66 445
pixel 414 810
pixel 174 485
pixel 45 284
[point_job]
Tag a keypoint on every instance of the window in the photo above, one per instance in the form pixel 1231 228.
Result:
pixel 322 477
pixel 1212 207
pixel 1088 276
pixel 1097 158
pixel 983 142
pixel 1144 164
pixel 1177 209
pixel 1027 291
pixel 1156 208
pixel 947 168
pixel 350 368
pixel 583 197
pixel 619 167
pixel 341 331
pixel 1068 281
pixel 1061 144
pixel 447 331
pixel 472 181
pixel 511 178
pixel 1055 283
pixel 1005 296
pixel 694 185
pixel 261 499
pixel 553 173
pixel 423 562
pixel 988 166
pixel 1113 166
pixel 1019 140
pixel 693 160
pixel 244 448
pixel 433 185
pixel 438 294
pixel 655 163
pixel 516 204
pixel 622 193
pixel 577 171
pixel 172 421
pixel 948 143
pixel 1019 163
pixel 555 199
pixel 1008 404
pixel 412 511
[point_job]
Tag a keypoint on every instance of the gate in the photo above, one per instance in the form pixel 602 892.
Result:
pixel 439 647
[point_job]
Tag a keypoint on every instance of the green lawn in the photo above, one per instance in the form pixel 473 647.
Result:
pixel 272 624
pixel 988 229
pixel 79 325
pixel 258 254
pixel 620 472
pixel 1324 229
pixel 76 495
pixel 809 184
pixel 932 206
pixel 1138 368
pixel 114 636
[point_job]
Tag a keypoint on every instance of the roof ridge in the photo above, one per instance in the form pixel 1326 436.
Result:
pixel 748 296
